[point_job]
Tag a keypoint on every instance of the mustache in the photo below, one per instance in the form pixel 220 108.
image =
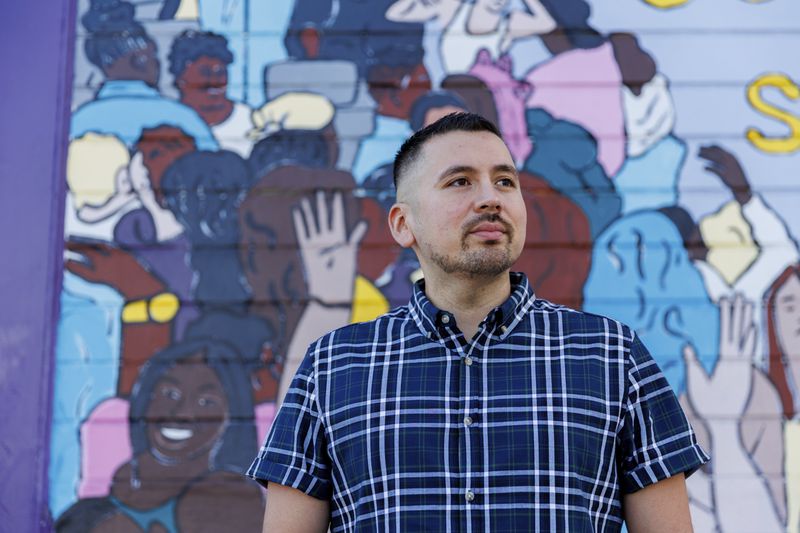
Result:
pixel 493 218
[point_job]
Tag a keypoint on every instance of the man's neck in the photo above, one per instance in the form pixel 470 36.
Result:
pixel 468 298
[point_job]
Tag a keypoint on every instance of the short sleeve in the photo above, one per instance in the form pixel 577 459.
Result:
pixel 655 440
pixel 295 452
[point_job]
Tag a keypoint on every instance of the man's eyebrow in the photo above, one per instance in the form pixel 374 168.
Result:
pixel 457 169
pixel 506 168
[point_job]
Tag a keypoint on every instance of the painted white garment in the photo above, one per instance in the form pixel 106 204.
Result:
pixel 232 133
pixel 432 59
pixel 102 230
pixel 777 251
pixel 459 47
pixel 649 117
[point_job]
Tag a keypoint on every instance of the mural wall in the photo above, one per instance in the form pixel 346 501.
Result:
pixel 229 176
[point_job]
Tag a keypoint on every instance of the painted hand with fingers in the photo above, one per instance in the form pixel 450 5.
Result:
pixel 328 252
pixel 725 393
pixel 112 266
pixel 727 167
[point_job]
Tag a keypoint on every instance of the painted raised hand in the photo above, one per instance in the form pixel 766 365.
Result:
pixel 724 394
pixel 725 165
pixel 328 252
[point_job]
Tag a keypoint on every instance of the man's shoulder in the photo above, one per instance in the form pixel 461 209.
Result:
pixel 581 321
pixel 359 333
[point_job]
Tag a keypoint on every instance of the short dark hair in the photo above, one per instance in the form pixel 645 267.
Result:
pixel 191 44
pixel 453 122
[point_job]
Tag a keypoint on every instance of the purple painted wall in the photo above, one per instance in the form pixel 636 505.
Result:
pixel 711 138
pixel 36 54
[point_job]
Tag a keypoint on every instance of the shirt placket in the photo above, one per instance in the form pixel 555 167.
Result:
pixel 469 391
pixel 474 425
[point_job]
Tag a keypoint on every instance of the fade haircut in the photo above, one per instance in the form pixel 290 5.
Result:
pixel 412 147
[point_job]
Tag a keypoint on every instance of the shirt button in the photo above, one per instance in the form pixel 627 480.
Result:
pixel 503 329
pixel 467 421
pixel 468 361
pixel 469 496
pixel 445 319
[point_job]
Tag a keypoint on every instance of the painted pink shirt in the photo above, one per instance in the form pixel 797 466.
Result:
pixel 509 98
pixel 584 86
pixel 106 443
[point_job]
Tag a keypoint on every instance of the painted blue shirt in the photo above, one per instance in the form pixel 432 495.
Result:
pixel 86 370
pixel 380 147
pixel 542 421
pixel 124 108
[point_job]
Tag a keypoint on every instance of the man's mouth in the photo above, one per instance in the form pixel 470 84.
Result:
pixel 490 231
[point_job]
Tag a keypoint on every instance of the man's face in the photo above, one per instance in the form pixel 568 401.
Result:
pixel 465 212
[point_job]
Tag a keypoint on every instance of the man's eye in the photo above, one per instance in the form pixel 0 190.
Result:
pixel 458 182
pixel 506 182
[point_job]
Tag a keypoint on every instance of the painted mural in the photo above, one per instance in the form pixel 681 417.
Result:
pixel 229 175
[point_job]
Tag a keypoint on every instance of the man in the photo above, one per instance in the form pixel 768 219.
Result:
pixel 477 407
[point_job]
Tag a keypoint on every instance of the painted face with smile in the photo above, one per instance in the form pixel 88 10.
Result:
pixel 202 86
pixel 462 207
pixel 188 412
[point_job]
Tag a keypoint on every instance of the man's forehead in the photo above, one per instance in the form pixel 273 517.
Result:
pixel 476 149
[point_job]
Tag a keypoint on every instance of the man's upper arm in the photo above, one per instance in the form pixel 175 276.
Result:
pixel 292 511
pixel 662 506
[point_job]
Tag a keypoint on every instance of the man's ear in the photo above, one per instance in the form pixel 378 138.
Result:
pixel 399 218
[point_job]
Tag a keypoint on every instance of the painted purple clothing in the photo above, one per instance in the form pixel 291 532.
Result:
pixel 509 97
pixel 168 260
pixel 584 86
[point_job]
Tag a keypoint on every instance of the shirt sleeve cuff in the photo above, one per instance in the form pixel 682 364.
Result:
pixel 268 468
pixel 684 460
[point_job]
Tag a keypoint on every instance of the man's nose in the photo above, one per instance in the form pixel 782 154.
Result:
pixel 488 197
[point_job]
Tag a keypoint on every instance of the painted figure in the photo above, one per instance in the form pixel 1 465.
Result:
pixel 128 101
pixel 199 61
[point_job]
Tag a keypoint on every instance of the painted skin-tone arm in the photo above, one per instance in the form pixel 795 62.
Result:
pixel 329 261
pixel 661 507
pixel 743 500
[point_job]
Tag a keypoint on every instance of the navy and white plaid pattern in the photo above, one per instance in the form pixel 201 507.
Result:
pixel 540 423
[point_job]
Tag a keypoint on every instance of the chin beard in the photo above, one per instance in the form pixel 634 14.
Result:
pixel 476 263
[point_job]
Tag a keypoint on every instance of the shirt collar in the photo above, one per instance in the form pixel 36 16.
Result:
pixel 431 320
pixel 120 88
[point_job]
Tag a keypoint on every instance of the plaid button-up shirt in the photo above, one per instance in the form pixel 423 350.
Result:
pixel 540 422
